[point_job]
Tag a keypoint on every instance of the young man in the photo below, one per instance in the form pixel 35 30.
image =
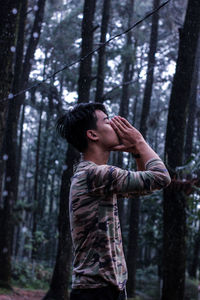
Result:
pixel 99 267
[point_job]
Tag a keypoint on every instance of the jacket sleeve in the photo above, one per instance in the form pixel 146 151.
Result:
pixel 106 179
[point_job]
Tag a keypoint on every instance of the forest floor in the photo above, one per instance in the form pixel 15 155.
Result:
pixel 20 294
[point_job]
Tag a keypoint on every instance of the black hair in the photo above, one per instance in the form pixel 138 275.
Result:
pixel 73 125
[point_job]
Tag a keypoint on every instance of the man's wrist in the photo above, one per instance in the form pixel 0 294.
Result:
pixel 138 148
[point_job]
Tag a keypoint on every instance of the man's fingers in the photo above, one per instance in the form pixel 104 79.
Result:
pixel 118 120
pixel 126 122
pixel 123 122
pixel 118 148
pixel 116 126
pixel 119 124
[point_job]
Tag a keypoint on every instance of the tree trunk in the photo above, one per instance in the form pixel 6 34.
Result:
pixel 193 267
pixel 84 81
pixel 33 42
pixel 101 58
pixel 8 25
pixel 20 81
pixel 8 19
pixel 11 137
pixel 124 102
pixel 44 163
pixel 36 199
pixel 8 28
pixel 174 201
pixel 15 107
pixel 192 107
pixel 150 70
pixel 61 275
pixel 128 64
pixel 174 248
pixel 133 246
pixel 52 195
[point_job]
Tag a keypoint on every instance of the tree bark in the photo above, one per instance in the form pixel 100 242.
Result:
pixel 33 42
pixel 150 70
pixel 36 203
pixel 20 81
pixel 192 107
pixel 174 247
pixel 128 64
pixel 84 81
pixel 44 164
pixel 124 102
pixel 10 137
pixel 133 246
pixel 101 57
pixel 61 275
pixel 8 27
pixel 193 267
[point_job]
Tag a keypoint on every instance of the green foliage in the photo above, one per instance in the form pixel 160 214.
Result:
pixel 147 282
pixel 4 291
pixel 30 275
pixel 141 296
pixel 148 285
pixel 191 290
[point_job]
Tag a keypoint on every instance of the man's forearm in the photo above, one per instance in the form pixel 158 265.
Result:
pixel 143 153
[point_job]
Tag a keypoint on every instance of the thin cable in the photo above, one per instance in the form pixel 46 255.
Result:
pixel 90 53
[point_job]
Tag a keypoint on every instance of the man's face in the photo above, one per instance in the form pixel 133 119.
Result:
pixel 107 136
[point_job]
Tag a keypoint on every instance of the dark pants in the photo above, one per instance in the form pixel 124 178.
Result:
pixel 104 293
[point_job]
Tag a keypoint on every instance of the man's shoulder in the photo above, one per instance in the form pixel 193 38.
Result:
pixel 90 170
pixel 90 166
pixel 82 167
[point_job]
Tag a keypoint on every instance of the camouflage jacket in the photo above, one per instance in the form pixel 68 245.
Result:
pixel 95 228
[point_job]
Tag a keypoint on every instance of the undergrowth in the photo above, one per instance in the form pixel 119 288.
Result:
pixel 31 275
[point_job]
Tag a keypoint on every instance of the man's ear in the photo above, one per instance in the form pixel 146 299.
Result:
pixel 91 135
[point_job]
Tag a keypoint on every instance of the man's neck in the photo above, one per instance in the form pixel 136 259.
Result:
pixel 98 156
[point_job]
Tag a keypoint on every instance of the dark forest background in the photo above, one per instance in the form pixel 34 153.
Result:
pixel 149 75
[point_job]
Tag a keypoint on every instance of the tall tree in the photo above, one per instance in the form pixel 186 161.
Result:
pixel 37 204
pixel 150 70
pixel 193 266
pixel 8 21
pixel 101 57
pixel 10 142
pixel 192 107
pixel 132 251
pixel 85 77
pixel 135 203
pixel 10 136
pixel 8 25
pixel 21 76
pixel 128 62
pixel 62 270
pixel 174 200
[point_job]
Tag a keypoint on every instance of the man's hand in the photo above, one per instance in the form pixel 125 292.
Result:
pixel 129 136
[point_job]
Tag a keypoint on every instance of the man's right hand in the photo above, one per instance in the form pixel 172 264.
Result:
pixel 129 137
pixel 132 141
